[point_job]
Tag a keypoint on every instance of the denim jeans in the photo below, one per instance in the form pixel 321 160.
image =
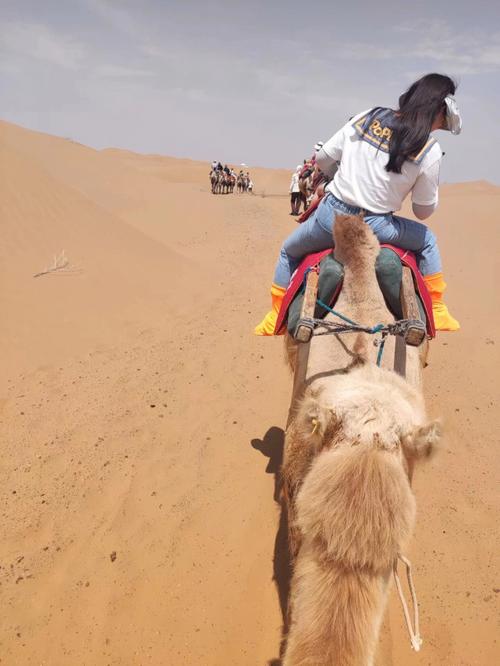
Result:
pixel 315 234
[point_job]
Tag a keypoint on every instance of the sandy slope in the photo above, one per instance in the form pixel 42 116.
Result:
pixel 142 422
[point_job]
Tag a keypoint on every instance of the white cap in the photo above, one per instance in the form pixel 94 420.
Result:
pixel 453 120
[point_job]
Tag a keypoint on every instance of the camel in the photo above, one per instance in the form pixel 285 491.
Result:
pixel 243 183
pixel 227 183
pixel 354 434
pixel 306 191
pixel 224 181
pixel 215 181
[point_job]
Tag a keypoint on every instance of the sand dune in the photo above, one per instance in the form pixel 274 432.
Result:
pixel 142 422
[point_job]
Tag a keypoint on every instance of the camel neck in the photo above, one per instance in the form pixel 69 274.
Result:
pixel 361 288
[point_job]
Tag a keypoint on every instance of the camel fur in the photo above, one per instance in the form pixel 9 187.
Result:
pixel 350 447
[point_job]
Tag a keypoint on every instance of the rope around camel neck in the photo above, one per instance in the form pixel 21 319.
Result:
pixel 352 326
pixel 414 632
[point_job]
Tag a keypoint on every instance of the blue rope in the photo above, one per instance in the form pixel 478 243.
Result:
pixel 324 305
pixel 380 352
pixel 337 314
pixel 372 331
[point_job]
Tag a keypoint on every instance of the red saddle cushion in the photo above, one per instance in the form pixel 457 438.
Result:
pixel 407 259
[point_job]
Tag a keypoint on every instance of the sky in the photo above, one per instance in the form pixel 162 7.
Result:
pixel 248 81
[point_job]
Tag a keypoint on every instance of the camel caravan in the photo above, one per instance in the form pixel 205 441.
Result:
pixel 223 180
pixel 357 426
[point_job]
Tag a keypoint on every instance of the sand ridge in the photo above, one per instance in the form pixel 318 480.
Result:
pixel 142 422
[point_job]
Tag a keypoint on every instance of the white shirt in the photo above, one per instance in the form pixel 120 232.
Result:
pixel 294 183
pixel 361 179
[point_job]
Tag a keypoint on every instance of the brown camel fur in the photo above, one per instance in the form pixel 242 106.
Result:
pixel 350 445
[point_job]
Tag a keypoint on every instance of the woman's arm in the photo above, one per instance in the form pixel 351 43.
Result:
pixel 326 163
pixel 425 192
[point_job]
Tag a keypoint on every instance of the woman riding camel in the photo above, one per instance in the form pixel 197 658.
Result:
pixel 382 156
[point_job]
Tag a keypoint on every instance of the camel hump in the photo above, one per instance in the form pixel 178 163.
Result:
pixel 354 241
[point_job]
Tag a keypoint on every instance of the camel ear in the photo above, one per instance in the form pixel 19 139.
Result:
pixel 422 441
pixel 317 420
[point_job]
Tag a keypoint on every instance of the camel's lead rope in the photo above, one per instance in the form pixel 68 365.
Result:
pixel 416 641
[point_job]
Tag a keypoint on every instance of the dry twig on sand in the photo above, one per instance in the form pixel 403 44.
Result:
pixel 61 263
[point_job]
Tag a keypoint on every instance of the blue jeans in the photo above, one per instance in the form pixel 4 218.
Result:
pixel 315 234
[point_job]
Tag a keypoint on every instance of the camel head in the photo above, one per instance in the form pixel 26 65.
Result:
pixel 367 430
pixel 373 407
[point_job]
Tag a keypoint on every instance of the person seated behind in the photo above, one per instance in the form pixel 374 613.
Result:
pixel 310 164
pixel 226 169
pixel 319 193
pixel 319 183
pixel 307 169
pixel 382 155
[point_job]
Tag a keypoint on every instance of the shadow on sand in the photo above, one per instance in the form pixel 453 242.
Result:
pixel 271 446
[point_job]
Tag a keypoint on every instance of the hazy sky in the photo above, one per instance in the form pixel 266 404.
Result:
pixel 253 81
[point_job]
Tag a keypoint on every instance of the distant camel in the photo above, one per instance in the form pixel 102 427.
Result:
pixel 224 183
pixel 243 183
pixel 227 183
pixel 240 182
pixel 215 181
pixel 354 433
pixel 305 188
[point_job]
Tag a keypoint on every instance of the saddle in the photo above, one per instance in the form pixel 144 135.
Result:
pixel 389 271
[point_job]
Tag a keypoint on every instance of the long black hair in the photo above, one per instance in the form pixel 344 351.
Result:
pixel 418 108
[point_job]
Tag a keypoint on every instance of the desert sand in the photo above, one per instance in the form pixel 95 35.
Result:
pixel 142 422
